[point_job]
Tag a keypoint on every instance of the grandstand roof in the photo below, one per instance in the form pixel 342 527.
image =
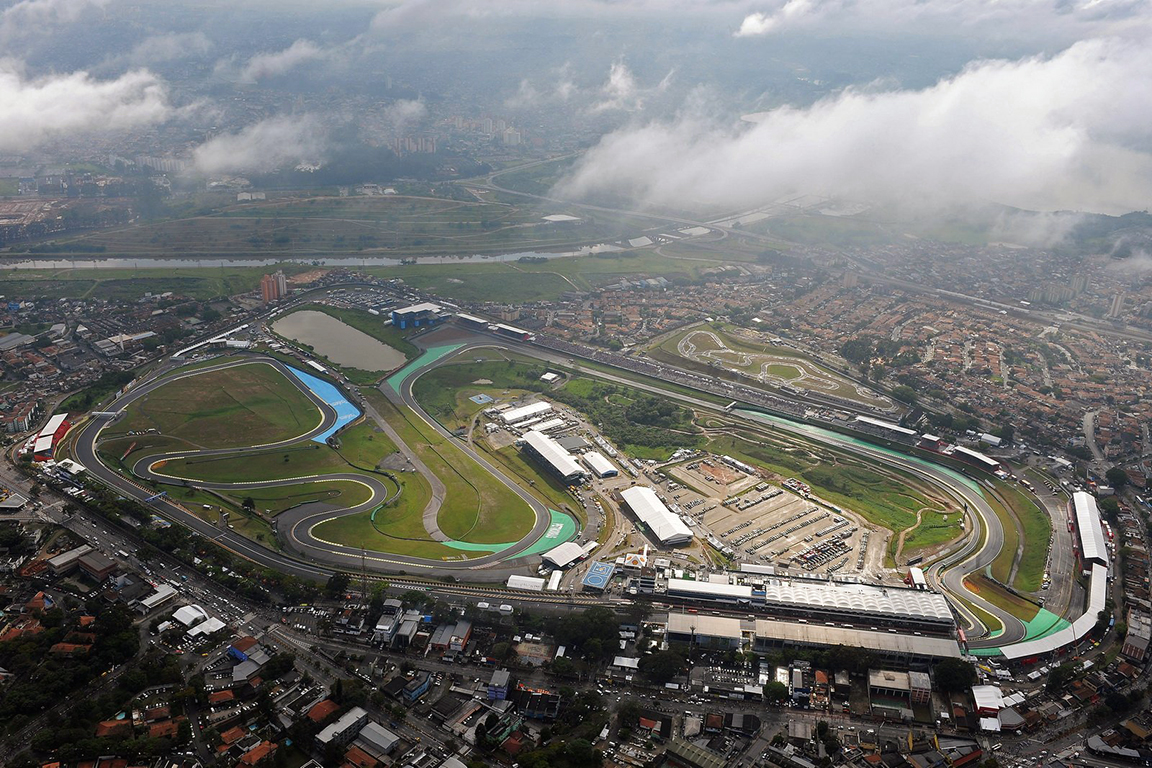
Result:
pixel 985 461
pixel 864 599
pixel 646 505
pixel 1097 596
pixel 887 425
pixel 53 424
pixel 1092 546
pixel 790 632
pixel 550 451
pixel 709 589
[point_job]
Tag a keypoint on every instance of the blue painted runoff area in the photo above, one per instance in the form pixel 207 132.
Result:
pixel 326 391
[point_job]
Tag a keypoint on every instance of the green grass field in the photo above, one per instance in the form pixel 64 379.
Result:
pixel 477 509
pixel 234 407
pixel 128 284
pixel 1037 532
pixel 981 585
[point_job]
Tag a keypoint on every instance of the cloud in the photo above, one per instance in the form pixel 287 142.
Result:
pixel 265 65
pixel 1008 18
pixel 762 23
pixel 621 90
pixel 560 89
pixel 264 146
pixel 158 49
pixel 403 113
pixel 1067 131
pixel 29 17
pixel 40 109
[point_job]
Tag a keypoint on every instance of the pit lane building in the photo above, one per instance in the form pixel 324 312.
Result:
pixel 552 457
pixel 665 524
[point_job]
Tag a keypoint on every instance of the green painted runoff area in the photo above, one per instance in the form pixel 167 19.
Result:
pixel 561 529
pixel 431 355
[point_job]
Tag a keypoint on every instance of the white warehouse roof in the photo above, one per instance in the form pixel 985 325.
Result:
pixel 525 412
pixel 190 614
pixel 210 627
pixel 553 453
pixel 600 465
pixel 418 308
pixel 704 626
pixel 548 426
pixel 564 555
pixel 1088 524
pixel 525 582
pixel 53 424
pixel 646 505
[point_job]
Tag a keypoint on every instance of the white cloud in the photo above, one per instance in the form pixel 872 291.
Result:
pixel 1067 131
pixel 559 90
pixel 1001 18
pixel 36 110
pixel 622 91
pixel 264 146
pixel 403 113
pixel 29 17
pixel 169 47
pixel 265 65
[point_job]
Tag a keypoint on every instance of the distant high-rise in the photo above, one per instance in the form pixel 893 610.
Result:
pixel 273 287
pixel 1117 305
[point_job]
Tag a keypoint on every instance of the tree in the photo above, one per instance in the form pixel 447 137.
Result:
pixel 1061 676
pixel 662 666
pixel 1116 477
pixel 953 675
pixel 775 692
pixel 337 583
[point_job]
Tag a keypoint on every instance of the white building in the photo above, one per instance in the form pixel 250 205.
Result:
pixel 664 524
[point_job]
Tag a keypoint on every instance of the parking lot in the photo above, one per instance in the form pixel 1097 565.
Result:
pixel 765 523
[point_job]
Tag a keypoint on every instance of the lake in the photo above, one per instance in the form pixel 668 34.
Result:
pixel 339 342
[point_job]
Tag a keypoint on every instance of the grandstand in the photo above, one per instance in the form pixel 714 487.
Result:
pixel 1089 528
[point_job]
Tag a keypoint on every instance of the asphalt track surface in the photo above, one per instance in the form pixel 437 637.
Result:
pixel 295 526
pixel 319 558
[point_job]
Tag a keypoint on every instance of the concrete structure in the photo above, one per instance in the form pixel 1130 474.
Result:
pixel 552 457
pixel 343 730
pixel 162 595
pixel 96 565
pixel 665 525
pixel 66 562
pixel 1139 634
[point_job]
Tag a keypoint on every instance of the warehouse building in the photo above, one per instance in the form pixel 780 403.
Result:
pixel 555 459
pixel 599 465
pixel 66 562
pixel 663 522
pixel 1090 529
pixel 530 583
pixel 525 412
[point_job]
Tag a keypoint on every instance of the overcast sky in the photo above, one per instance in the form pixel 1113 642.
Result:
pixel 924 103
